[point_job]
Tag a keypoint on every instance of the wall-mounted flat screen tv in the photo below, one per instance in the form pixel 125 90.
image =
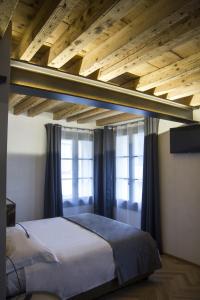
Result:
pixel 185 139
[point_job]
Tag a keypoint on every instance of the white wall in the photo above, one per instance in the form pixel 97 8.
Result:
pixel 180 199
pixel 26 163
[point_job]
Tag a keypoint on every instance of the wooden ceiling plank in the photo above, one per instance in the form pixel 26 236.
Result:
pixel 7 9
pixel 182 81
pixel 42 107
pixel 134 36
pixel 116 119
pixel 186 91
pixel 99 16
pixel 165 59
pixel 142 69
pixel 26 104
pixel 47 19
pixel 150 46
pixel 185 66
pixel 72 109
pixel 14 99
pixel 89 113
pixel 98 116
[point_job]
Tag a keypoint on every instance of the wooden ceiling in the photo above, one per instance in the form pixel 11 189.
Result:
pixel 82 114
pixel 151 46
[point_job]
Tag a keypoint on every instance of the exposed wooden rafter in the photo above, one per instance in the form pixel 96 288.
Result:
pixel 177 83
pixel 7 8
pixel 185 66
pixel 26 104
pixel 148 50
pixel 87 114
pixel 45 22
pixel 134 36
pixel 186 91
pixel 116 119
pixel 72 109
pixel 42 107
pixel 98 116
pixel 156 45
pixel 98 17
pixel 195 100
pixel 15 99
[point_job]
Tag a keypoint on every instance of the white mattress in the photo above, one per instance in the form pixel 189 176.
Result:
pixel 86 260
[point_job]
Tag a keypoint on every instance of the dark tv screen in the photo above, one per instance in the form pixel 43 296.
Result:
pixel 185 139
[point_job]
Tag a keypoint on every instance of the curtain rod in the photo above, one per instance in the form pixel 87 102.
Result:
pixel 77 128
pixel 131 123
pixel 109 126
pixel 68 127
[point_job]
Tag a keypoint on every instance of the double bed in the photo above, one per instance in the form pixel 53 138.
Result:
pixel 77 258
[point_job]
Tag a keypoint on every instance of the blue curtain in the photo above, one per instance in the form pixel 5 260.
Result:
pixel 53 206
pixel 104 172
pixel 150 218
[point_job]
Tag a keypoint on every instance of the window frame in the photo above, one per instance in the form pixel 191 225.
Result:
pixel 131 203
pixel 75 166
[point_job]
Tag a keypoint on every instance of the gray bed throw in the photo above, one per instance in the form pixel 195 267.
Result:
pixel 134 251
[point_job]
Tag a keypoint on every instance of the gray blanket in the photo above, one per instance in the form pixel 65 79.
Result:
pixel 134 251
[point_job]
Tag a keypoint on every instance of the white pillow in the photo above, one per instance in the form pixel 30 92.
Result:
pixel 24 251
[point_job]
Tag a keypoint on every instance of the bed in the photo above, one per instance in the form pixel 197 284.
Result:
pixel 80 257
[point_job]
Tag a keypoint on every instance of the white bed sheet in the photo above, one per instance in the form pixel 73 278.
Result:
pixel 86 260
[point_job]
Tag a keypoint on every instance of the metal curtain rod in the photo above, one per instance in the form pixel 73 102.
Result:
pixel 68 127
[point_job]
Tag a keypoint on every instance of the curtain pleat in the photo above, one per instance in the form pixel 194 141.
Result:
pixel 53 190
pixel 104 171
pixel 150 218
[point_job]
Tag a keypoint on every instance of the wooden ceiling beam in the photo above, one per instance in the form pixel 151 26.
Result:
pixel 42 107
pixel 47 19
pixel 66 112
pixel 184 91
pixel 195 100
pixel 154 45
pixel 98 116
pixel 14 99
pixel 7 8
pixel 26 104
pixel 182 81
pixel 164 75
pixel 90 112
pixel 99 16
pixel 116 119
pixel 134 36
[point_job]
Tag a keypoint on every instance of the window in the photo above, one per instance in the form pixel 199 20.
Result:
pixel 77 167
pixel 129 165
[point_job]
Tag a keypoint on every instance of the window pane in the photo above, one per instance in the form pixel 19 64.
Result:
pixel 66 148
pixel 137 192
pixel 85 188
pixel 137 167
pixel 122 145
pixel 122 167
pixel 66 168
pixel 67 189
pixel 122 190
pixel 85 149
pixel 85 168
pixel 137 143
